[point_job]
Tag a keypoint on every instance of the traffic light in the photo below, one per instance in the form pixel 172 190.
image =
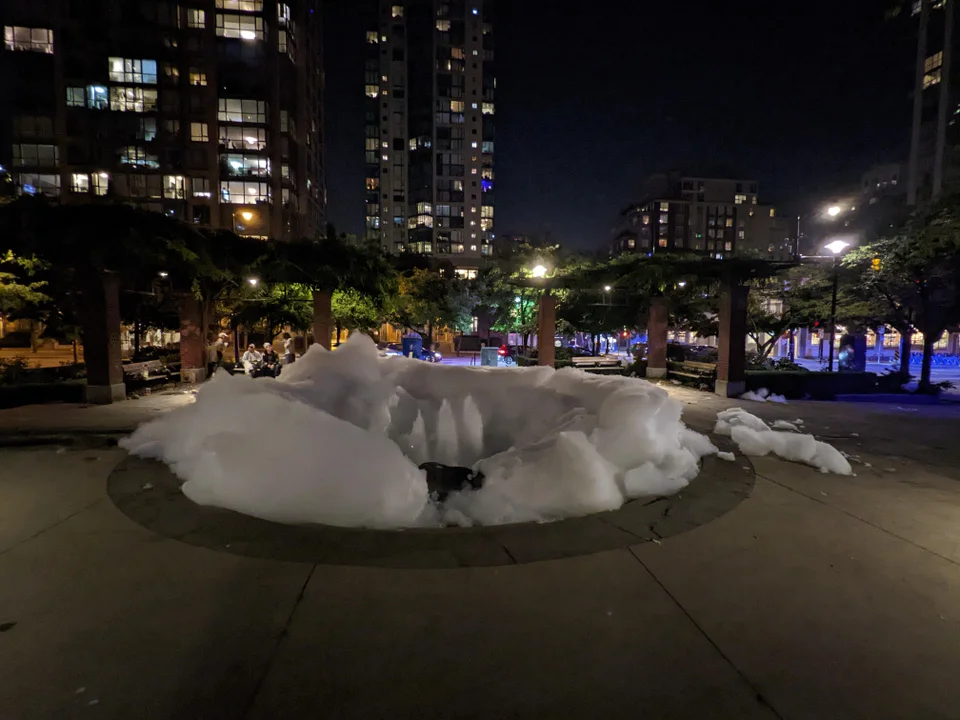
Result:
pixel 875 264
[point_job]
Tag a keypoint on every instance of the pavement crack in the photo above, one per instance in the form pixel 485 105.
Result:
pixel 276 647
pixel 59 522
pixel 863 520
pixel 760 697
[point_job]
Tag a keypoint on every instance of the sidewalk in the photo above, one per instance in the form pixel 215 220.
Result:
pixel 818 596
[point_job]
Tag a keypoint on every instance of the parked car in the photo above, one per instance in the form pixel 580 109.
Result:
pixel 395 350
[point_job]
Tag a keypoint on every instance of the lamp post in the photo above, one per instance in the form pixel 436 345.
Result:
pixel 836 247
pixel 246 216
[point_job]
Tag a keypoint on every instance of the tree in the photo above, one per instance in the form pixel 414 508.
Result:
pixel 430 298
pixel 352 310
pixel 915 273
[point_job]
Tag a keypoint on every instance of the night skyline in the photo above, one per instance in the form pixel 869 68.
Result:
pixel 802 103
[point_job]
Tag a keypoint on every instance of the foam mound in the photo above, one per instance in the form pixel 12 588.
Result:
pixel 338 439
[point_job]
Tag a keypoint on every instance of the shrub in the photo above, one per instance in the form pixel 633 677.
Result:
pixel 819 386
pixel 892 381
pixel 17 339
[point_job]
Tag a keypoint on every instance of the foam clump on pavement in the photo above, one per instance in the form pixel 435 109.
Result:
pixel 338 439
pixel 763 395
pixel 753 437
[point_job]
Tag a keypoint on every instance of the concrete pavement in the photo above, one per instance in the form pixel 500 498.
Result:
pixel 817 597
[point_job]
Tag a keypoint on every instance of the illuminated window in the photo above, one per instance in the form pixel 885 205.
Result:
pixel 196 18
pixel 36 155
pixel 931 78
pixel 198 132
pixel 371 91
pixel 79 183
pixel 171 71
pixel 488 108
pixel 136 72
pixel 136 155
pixel 243 137
pixel 241 5
pixel 100 181
pixel 28 40
pixel 739 199
pixel 244 193
pixel 201 187
pixel 75 97
pixel 133 99
pixel 932 62
pixel 740 234
pixel 456 105
pixel 246 111
pixel 173 187
pixel 664 206
pixel 45 184
pixel 396 11
pixel 243 27
pixel 282 42
pixel 283 14
pixel 664 218
pixel 662 242
pixel 729 222
pixel 456 53
pixel 197 77
pixel 372 37
pixel 245 165
pixel 773 212
pixel 443 25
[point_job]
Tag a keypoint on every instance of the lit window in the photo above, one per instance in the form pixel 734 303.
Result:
pixel 243 27
pixel 197 77
pixel 664 218
pixel 171 71
pixel 931 78
pixel 371 91
pixel 456 53
pixel 443 25
pixel 487 108
pixel 241 5
pixel 246 165
pixel 473 248
pixel 474 106
pixel 248 111
pixel 244 193
pixel 773 212
pixel 740 235
pixel 282 42
pixel 75 97
pixel 932 62
pixel 728 246
pixel 201 187
pixel 486 211
pixel 242 137
pixel 474 144
pixel 283 14
pixel 173 187
pixel 137 72
pixel 646 219
pixel 739 199
pixel 79 183
pixel 456 105
pixel 196 18
pixel 45 184
pixel 36 155
pixel 396 11
pixel 100 181
pixel 662 242
pixel 664 206
pixel 136 155
pixel 133 99
pixel 373 183
pixel 29 40
pixel 198 132
pixel 285 171
pixel 729 222
pixel 372 37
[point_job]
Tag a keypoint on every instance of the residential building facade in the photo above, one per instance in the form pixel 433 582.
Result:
pixel 206 110
pixel 715 216
pixel 429 143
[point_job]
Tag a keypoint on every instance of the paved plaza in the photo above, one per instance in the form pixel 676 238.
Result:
pixel 765 590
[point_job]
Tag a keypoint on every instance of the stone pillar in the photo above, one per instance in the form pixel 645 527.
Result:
pixel 193 344
pixel 101 340
pixel 731 349
pixel 657 338
pixel 322 317
pixel 547 329
pixel 803 343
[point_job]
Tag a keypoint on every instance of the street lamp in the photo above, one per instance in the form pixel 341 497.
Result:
pixel 606 288
pixel 829 213
pixel 253 281
pixel 246 216
pixel 836 247
pixel 539 271
pixel 834 210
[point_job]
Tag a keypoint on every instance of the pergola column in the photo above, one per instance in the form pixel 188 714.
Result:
pixel 657 326
pixel 547 329
pixel 193 351
pixel 101 340
pixel 322 317
pixel 732 340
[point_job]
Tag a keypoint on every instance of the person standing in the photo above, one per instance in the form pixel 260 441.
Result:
pixel 289 356
pixel 214 355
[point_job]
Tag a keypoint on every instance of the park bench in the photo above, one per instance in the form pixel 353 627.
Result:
pixel 145 373
pixel 600 365
pixel 699 371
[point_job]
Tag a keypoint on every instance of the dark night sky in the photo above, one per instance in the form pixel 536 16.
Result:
pixel 802 96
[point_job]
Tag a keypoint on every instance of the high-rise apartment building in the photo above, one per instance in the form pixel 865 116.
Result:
pixel 430 128
pixel 206 110
pixel 719 217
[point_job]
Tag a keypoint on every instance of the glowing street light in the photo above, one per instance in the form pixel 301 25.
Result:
pixel 539 271
pixel 834 210
pixel 682 283
pixel 837 246
pixel 607 288
pixel 163 273
pixel 247 215
pixel 253 281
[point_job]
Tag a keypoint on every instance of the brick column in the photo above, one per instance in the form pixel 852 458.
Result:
pixel 101 340
pixel 731 346
pixel 547 329
pixel 193 346
pixel 322 317
pixel 657 325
